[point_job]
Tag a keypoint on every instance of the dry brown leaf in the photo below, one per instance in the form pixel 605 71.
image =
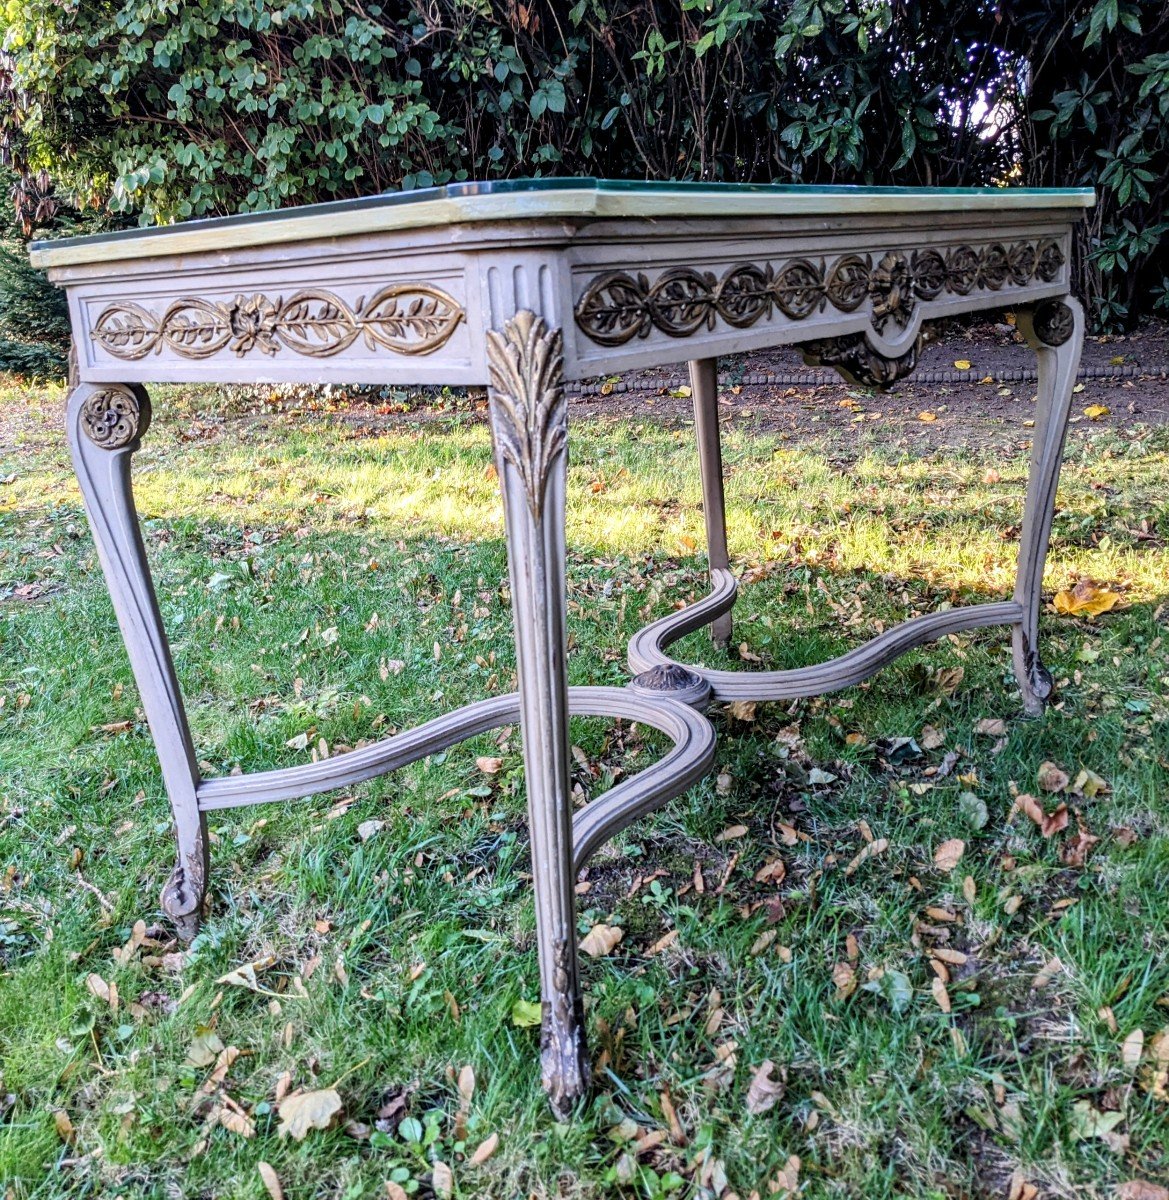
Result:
pixel 395 1191
pixel 772 872
pixel 1047 974
pixel 1075 852
pixel 663 943
pixel 948 855
pixel 486 1148
pixel 601 939
pixel 303 1111
pixel 442 1180
pixel 764 1093
pixel 677 1133
pixel 731 833
pixel 1050 823
pixel 1052 778
pixel 489 765
pixel 991 727
pixel 235 1120
pixel 844 976
pixel 873 848
pixel 1132 1049
pixel 787 1182
pixel 368 829
pixel 107 992
pixel 742 710
pixel 466 1086
pixel 762 942
pixel 64 1127
pixel 940 994
pixel 1141 1189
pixel 969 890
pixel 1086 599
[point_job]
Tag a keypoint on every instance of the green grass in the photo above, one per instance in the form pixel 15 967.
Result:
pixel 277 535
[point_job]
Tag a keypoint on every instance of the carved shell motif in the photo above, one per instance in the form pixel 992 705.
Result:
pixel 617 306
pixel 405 318
pixel 529 414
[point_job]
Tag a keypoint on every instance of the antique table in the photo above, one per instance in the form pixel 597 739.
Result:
pixel 520 286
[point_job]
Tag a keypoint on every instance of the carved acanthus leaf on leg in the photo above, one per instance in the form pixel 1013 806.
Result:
pixel 853 357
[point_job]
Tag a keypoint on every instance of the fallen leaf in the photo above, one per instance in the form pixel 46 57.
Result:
pixel 395 1191
pixel 940 994
pixel 991 727
pixel 1050 823
pixel 742 710
pixel 931 738
pixel 235 1121
pixel 771 872
pixel 1052 778
pixel 1095 411
pixel 466 1085
pixel 1047 974
pixel 64 1127
pixel 873 848
pixel 601 939
pixel 787 1182
pixel 1088 1122
pixel 731 833
pixel 204 1049
pixel 972 810
pixel 526 1013
pixel 1132 1049
pixel 1089 784
pixel 489 765
pixel 1140 1189
pixel 442 1180
pixel 303 1111
pixel 1075 852
pixel 844 977
pixel 368 829
pixel 764 1093
pixel 1086 599
pixel 663 943
pixel 963 364
pixel 948 855
pixel 485 1150
pixel 927 417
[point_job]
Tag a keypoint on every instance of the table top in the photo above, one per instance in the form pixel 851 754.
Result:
pixel 536 199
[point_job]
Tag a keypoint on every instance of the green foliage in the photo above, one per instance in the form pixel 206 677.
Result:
pixel 181 108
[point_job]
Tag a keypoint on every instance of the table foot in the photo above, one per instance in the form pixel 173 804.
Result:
pixel 564 1060
pixel 1035 680
pixel 182 896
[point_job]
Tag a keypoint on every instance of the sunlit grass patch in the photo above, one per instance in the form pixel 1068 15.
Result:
pixel 323 585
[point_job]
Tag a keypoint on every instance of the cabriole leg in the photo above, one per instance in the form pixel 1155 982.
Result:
pixel 1055 330
pixel 704 393
pixel 105 425
pixel 529 427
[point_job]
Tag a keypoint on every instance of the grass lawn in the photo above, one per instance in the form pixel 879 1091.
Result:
pixel 994 1024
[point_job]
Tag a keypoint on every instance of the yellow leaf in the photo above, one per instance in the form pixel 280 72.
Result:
pixel 303 1111
pixel 1095 411
pixel 927 417
pixel 963 364
pixel 1086 599
pixel 601 939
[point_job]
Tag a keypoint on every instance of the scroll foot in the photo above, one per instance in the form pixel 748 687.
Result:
pixel 1035 681
pixel 564 1064
pixel 182 898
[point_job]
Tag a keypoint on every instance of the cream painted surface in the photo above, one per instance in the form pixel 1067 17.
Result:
pixel 570 203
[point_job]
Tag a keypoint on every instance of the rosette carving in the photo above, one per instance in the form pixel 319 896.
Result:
pixel 891 291
pixel 529 414
pixel 1053 322
pixel 112 417
pixel 405 318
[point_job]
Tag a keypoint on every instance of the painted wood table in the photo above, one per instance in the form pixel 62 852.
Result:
pixel 521 286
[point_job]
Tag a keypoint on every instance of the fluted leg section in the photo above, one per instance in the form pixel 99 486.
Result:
pixel 529 425
pixel 105 425
pixel 1055 330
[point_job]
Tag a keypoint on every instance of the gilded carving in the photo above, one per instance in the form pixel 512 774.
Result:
pixel 529 414
pixel 405 318
pixel 112 418
pixel 853 357
pixel 1054 322
pixel 618 306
